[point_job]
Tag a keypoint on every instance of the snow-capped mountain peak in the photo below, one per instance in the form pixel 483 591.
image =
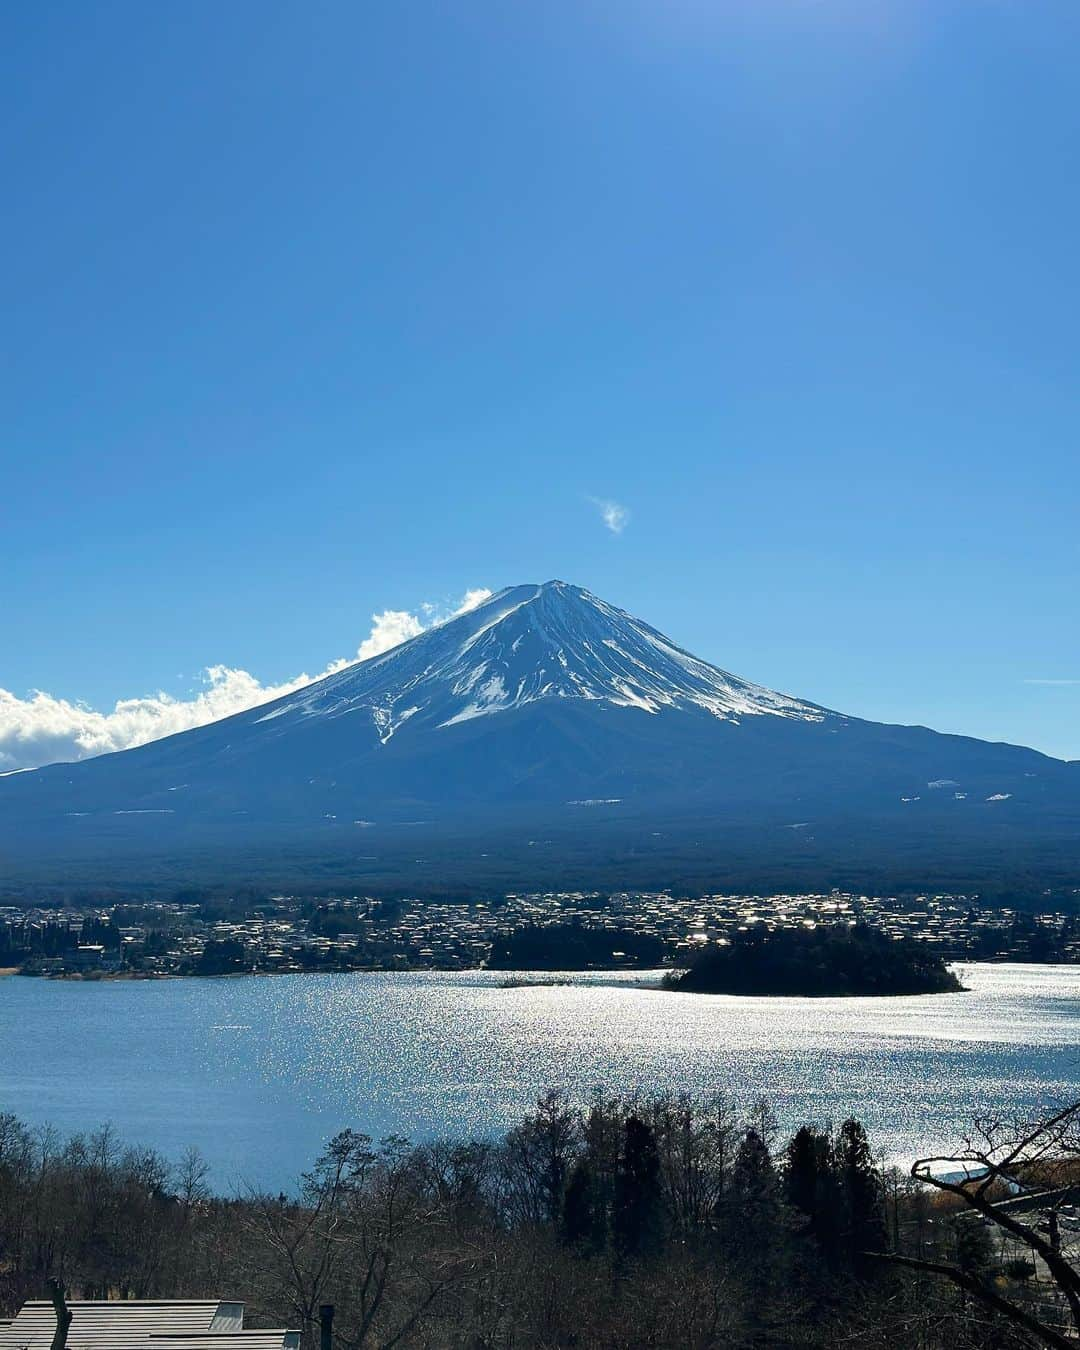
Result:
pixel 472 751
pixel 524 645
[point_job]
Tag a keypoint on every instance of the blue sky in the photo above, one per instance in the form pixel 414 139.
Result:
pixel 315 311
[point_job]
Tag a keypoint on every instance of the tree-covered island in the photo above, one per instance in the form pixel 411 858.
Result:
pixel 825 961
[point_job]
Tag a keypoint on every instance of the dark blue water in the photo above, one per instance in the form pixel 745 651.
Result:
pixel 258 1072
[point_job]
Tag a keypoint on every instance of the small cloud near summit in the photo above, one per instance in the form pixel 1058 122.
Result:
pixel 615 516
pixel 471 599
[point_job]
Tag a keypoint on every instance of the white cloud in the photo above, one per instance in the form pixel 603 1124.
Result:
pixel 1052 681
pixel 42 729
pixel 471 599
pixel 615 516
pixel 389 629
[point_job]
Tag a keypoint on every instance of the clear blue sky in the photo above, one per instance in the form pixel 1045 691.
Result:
pixel 316 309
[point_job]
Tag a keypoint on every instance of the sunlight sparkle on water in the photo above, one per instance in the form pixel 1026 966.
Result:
pixel 259 1072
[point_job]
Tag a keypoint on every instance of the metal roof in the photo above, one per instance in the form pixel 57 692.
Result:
pixel 117 1325
pixel 278 1339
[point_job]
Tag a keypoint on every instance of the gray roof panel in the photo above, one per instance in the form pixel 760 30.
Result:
pixel 108 1326
pixel 278 1339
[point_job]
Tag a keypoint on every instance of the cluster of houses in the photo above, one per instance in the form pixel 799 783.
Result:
pixel 290 934
pixel 84 959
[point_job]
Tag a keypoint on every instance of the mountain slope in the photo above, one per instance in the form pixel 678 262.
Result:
pixel 526 644
pixel 544 706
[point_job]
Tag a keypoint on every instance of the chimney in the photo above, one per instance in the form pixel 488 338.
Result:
pixel 326 1326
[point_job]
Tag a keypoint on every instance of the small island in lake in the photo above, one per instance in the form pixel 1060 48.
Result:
pixel 571 946
pixel 827 961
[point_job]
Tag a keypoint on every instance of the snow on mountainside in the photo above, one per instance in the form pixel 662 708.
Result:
pixel 472 749
pixel 525 644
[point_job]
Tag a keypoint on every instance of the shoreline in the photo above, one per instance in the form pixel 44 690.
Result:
pixel 649 978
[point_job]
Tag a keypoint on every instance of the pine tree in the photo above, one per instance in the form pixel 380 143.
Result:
pixel 807 1165
pixel 637 1190
pixel 753 1178
pixel 811 1188
pixel 579 1226
pixel 863 1197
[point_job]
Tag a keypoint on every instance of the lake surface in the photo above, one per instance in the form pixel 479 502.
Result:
pixel 258 1072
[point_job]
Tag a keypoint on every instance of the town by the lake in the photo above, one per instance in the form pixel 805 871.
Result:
pixel 248 933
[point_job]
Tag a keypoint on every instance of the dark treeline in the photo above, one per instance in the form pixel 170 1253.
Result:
pixel 657 1223
pixel 572 946
pixel 688 856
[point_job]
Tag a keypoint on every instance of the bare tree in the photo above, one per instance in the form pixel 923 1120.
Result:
pixel 992 1158
pixel 306 1241
pixel 190 1179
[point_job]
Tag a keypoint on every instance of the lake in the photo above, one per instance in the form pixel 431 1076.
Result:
pixel 258 1072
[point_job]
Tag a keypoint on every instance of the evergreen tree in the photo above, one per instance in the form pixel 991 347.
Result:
pixel 974 1250
pixel 812 1189
pixel 807 1165
pixel 753 1203
pixel 863 1197
pixel 753 1178
pixel 637 1189
pixel 579 1225
pixel 754 1231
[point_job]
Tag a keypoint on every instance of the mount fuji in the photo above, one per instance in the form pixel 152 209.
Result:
pixel 543 735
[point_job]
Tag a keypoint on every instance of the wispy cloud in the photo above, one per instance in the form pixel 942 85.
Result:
pixel 1057 682
pixel 615 516
pixel 42 729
